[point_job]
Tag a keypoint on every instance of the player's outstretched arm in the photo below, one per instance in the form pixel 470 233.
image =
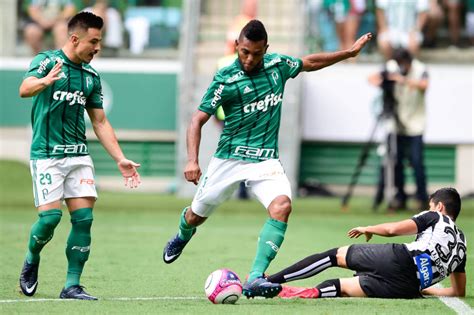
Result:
pixel 31 86
pixel 457 288
pixel 320 60
pixel 107 138
pixel 405 227
pixel 192 171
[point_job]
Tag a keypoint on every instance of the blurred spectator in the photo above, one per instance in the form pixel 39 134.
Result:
pixel 436 15
pixel 433 21
pixel 400 23
pixel 47 16
pixel 113 26
pixel 248 12
pixel 470 20
pixel 346 15
pixel 411 81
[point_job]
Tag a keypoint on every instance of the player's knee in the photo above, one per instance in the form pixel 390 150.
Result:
pixel 341 256
pixel 280 208
pixel 51 221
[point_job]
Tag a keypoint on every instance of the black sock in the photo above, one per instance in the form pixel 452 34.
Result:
pixel 329 288
pixel 307 267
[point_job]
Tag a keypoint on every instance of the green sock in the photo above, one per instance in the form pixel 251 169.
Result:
pixel 78 244
pixel 269 242
pixel 186 230
pixel 41 233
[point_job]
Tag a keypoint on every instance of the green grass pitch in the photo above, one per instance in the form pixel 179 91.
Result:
pixel 130 230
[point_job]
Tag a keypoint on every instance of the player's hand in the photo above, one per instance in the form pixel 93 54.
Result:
pixel 129 172
pixel 53 75
pixel 192 172
pixel 360 43
pixel 358 231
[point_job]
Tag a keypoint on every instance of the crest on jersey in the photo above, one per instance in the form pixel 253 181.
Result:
pixel 88 81
pixel 275 77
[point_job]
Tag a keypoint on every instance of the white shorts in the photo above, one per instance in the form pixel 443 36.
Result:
pixel 398 39
pixel 267 180
pixel 59 179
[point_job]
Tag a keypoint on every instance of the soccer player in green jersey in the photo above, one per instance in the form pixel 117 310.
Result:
pixel 63 85
pixel 251 92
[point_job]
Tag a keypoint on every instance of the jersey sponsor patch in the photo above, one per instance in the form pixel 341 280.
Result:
pixel 423 263
pixel 76 97
pixel 262 105
pixel 217 95
pixel 42 66
pixel 70 148
pixel 255 153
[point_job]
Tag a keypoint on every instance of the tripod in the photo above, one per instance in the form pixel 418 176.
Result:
pixel 387 172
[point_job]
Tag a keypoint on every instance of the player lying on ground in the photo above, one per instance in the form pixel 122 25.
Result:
pixel 250 92
pixel 392 270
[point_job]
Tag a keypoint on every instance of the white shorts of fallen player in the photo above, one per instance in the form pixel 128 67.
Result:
pixel 266 180
pixel 59 179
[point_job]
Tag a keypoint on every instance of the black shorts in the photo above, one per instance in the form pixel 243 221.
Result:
pixel 384 270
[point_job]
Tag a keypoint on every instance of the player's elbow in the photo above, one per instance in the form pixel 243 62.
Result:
pixel 23 92
pixel 391 231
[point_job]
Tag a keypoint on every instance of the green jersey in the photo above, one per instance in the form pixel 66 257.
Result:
pixel 57 116
pixel 252 107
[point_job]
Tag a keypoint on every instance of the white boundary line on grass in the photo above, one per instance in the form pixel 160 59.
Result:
pixel 108 299
pixel 455 303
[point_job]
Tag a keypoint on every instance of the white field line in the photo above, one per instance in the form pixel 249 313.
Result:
pixel 155 298
pixel 455 304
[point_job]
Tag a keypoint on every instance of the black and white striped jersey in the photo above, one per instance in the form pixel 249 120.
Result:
pixel 439 248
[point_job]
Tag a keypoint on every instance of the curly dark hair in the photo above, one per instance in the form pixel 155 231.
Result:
pixel 254 31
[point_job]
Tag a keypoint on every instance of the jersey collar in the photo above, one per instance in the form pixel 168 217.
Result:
pixel 67 60
pixel 259 68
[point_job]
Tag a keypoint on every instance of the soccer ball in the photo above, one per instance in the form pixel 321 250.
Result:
pixel 223 287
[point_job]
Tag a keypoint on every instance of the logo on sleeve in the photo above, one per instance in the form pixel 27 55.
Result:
pixel 43 64
pixel 423 263
pixel 217 95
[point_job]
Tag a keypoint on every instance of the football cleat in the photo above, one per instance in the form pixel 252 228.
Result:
pixel 76 292
pixel 29 278
pixel 174 248
pixel 261 287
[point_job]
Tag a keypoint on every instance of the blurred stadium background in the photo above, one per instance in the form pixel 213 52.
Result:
pixel 151 92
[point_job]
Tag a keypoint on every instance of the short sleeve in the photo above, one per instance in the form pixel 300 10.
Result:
pixel 425 219
pixel 96 98
pixel 40 66
pixel 461 268
pixel 291 66
pixel 214 96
